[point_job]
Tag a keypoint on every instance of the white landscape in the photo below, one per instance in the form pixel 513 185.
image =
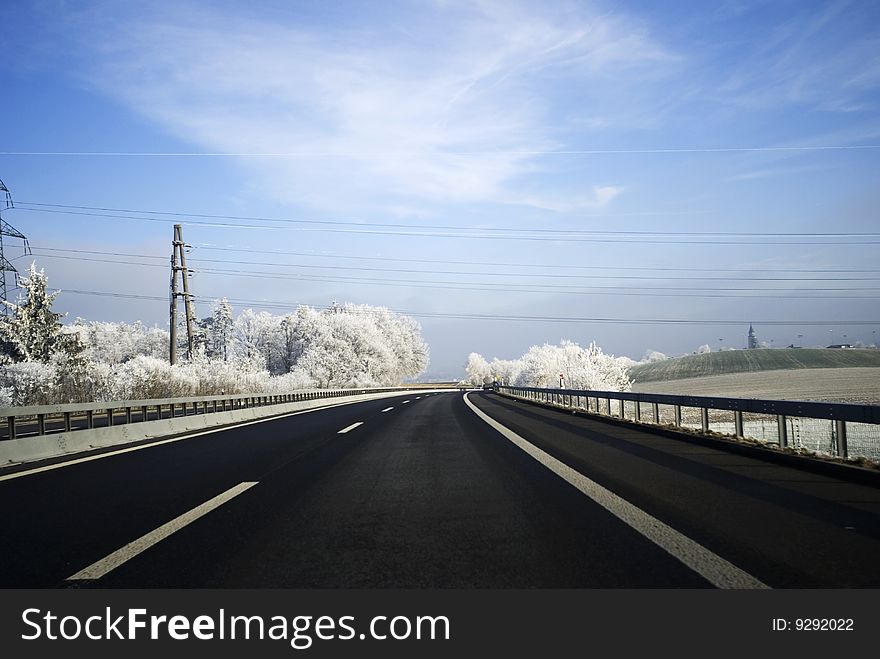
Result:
pixel 254 352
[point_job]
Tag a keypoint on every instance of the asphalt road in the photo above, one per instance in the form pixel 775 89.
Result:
pixel 426 494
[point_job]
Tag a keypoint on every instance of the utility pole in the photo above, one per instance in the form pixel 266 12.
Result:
pixel 178 264
pixel 7 229
pixel 172 323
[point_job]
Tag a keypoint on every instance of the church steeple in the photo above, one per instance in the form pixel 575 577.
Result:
pixel 753 340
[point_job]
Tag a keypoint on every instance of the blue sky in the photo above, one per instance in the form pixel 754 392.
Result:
pixel 527 124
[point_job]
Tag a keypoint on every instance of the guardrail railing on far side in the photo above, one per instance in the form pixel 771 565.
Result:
pixel 39 420
pixel 838 414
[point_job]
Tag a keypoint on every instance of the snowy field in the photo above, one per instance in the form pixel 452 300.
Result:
pixel 839 385
pixel 752 361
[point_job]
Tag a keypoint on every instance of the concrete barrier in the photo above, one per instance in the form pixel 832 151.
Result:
pixel 41 447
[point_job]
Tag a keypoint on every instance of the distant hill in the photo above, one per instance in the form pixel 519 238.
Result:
pixel 743 361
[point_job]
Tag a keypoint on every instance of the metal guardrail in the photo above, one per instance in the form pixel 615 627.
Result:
pixel 84 416
pixel 838 413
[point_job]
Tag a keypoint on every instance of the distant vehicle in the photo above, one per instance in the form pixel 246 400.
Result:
pixel 488 387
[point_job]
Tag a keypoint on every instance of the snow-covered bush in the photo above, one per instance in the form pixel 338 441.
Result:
pixel 149 377
pixel 28 383
pixel 213 377
pixel 284 384
pixel 652 356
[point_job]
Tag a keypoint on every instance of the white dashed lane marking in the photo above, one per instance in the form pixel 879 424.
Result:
pixel 388 409
pixel 112 561
pixel 349 428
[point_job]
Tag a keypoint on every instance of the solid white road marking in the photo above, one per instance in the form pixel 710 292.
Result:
pixel 111 562
pixel 718 571
pixel 388 409
pixel 351 427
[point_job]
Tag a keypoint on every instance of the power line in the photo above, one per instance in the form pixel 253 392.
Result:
pixel 502 286
pixel 502 317
pixel 361 223
pixel 443 154
pixel 100 252
pixel 491 264
pixel 329 255
pixel 252 218
pixel 753 239
pixel 455 272
pixel 639 291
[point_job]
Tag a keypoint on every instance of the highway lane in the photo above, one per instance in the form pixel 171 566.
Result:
pixel 58 521
pixel 426 494
pixel 425 497
pixel 788 527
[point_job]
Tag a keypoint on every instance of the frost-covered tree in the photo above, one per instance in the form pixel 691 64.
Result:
pixel 290 345
pixel 505 371
pixel 220 342
pixel 116 343
pixel 356 345
pixel 477 369
pixel 703 349
pixel 33 329
pixel 583 367
pixel 255 335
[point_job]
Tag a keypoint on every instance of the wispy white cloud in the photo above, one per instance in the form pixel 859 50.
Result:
pixel 773 172
pixel 391 117
pixel 599 198
pixel 818 59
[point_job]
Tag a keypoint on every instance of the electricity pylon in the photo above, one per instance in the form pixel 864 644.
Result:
pixel 7 229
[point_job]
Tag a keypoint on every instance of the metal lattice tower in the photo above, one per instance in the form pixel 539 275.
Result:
pixel 7 229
